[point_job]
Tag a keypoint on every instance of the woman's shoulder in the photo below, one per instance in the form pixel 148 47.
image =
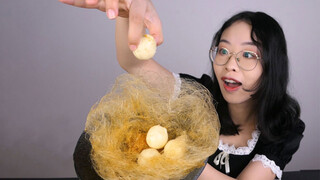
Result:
pixel 205 80
pixel 282 150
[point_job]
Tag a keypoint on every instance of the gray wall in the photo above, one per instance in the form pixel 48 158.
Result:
pixel 56 61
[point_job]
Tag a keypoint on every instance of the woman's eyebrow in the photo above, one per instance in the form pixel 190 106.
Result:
pixel 223 40
pixel 244 43
pixel 248 43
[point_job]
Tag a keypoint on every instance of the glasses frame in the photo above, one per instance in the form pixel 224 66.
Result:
pixel 213 53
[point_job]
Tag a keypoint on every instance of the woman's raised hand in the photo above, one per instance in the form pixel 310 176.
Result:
pixel 141 14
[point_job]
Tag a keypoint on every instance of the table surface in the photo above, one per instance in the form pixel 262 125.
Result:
pixel 290 175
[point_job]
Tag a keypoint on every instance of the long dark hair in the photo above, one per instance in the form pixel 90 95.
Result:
pixel 277 111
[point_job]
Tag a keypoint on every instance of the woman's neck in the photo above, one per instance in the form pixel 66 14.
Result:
pixel 243 114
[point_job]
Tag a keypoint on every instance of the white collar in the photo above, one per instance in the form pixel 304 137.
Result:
pixel 245 150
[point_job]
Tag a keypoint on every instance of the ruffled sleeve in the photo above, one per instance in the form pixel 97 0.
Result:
pixel 276 155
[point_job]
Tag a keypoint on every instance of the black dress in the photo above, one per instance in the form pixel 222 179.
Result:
pixel 227 159
pixel 274 155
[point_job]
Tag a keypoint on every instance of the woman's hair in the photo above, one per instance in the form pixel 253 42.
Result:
pixel 277 111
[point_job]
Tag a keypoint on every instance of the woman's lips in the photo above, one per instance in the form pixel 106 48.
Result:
pixel 230 84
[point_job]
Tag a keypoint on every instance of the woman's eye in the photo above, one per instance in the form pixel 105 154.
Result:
pixel 223 51
pixel 249 55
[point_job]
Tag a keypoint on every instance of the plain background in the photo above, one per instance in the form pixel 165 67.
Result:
pixel 56 61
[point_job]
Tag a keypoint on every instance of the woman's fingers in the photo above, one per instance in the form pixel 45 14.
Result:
pixel 70 2
pixel 112 7
pixel 153 24
pixel 77 3
pixel 80 3
pixel 136 22
pixel 90 4
pixel 141 14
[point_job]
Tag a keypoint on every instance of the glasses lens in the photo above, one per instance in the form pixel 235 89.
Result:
pixel 213 53
pixel 247 60
pixel 222 56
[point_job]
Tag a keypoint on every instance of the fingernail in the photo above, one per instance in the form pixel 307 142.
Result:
pixel 133 47
pixel 157 39
pixel 111 14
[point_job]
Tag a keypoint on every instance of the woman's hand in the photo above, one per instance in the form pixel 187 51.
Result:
pixel 141 14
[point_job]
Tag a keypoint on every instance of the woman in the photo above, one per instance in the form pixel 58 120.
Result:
pixel 260 125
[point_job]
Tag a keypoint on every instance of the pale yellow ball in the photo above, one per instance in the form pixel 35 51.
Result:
pixel 176 148
pixel 157 137
pixel 146 155
pixel 146 48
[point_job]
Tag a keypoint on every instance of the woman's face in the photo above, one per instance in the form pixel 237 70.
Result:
pixel 233 81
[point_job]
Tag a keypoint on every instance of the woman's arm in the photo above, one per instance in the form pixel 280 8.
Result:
pixel 253 171
pixel 211 173
pixel 132 17
pixel 256 170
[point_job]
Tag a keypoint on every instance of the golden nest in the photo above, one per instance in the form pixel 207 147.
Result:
pixel 119 122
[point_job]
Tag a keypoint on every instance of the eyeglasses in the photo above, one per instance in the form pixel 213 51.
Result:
pixel 246 60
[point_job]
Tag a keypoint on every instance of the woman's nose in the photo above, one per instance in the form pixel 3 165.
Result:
pixel 232 64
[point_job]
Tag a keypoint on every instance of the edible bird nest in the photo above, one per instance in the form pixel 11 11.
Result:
pixel 119 122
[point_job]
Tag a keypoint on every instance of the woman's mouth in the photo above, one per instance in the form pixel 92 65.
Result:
pixel 231 84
